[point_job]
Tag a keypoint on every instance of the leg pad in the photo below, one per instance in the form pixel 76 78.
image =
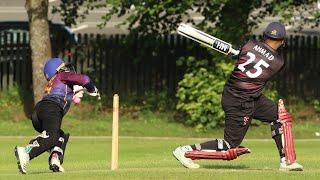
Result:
pixel 229 154
pixel 287 136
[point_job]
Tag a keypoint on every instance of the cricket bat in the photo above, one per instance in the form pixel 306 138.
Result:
pixel 206 39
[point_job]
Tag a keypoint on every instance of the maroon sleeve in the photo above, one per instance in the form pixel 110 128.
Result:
pixel 72 78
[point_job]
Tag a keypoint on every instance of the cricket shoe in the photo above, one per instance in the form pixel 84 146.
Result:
pixel 179 153
pixel 290 167
pixel 55 164
pixel 22 158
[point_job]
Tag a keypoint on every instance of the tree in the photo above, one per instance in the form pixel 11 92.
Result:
pixel 162 16
pixel 39 41
pixel 73 10
pixel 199 92
pixel 296 13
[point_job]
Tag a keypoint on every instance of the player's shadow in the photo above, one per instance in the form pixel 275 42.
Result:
pixel 215 166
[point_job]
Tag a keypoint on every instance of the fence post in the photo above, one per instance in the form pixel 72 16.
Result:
pixel 17 65
pixel 100 58
pixel 76 53
pixel 316 48
pixel 86 52
pixel 302 66
pixel 1 60
pixel 103 64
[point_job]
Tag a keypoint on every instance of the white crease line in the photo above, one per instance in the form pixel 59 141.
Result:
pixel 79 27
pixel 51 1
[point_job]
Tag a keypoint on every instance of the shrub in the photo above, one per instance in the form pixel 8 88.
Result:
pixel 199 92
pixel 271 92
pixel 316 105
pixel 10 97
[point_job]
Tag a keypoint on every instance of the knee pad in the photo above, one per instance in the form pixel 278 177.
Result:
pixel 50 138
pixel 40 140
pixel 276 128
pixel 41 136
pixel 56 149
pixel 60 147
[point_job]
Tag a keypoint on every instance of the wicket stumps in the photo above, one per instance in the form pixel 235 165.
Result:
pixel 115 133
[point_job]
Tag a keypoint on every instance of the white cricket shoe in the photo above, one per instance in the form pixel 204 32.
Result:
pixel 22 158
pixel 55 165
pixel 179 153
pixel 290 167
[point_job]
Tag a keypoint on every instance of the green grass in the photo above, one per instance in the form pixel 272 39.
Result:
pixel 138 120
pixel 152 159
pixel 87 120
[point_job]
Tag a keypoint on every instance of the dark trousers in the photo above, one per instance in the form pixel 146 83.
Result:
pixel 47 116
pixel 239 113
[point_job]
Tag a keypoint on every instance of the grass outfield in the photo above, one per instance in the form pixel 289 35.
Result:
pixel 143 158
pixel 83 121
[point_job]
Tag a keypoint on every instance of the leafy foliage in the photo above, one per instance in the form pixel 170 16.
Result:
pixel 10 97
pixel 199 93
pixel 157 17
pixel 298 14
pixel 316 105
pixel 72 11
pixel 271 92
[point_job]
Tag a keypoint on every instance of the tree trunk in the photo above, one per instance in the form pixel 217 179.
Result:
pixel 40 43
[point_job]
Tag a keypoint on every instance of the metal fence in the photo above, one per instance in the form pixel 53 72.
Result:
pixel 136 65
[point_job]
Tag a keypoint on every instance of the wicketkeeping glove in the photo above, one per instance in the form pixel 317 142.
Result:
pixel 95 93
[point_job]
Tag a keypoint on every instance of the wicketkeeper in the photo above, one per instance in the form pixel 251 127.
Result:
pixel 48 113
pixel 242 100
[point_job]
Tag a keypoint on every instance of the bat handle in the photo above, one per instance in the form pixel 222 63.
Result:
pixel 234 52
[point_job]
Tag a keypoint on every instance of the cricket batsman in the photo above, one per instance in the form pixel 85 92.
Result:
pixel 48 113
pixel 242 100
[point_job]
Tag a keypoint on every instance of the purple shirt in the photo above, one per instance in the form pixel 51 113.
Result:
pixel 60 88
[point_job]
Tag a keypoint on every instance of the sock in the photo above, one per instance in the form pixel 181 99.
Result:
pixel 278 141
pixel 212 145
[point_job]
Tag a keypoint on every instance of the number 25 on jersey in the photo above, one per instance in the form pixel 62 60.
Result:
pixel 258 66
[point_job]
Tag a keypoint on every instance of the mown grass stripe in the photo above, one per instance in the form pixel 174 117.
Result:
pixel 151 138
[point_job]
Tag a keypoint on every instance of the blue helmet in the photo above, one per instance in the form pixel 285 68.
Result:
pixel 52 66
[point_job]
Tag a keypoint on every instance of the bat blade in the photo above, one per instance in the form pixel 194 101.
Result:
pixel 206 39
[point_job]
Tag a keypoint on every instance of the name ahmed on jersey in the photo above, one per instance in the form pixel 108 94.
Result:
pixel 264 52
